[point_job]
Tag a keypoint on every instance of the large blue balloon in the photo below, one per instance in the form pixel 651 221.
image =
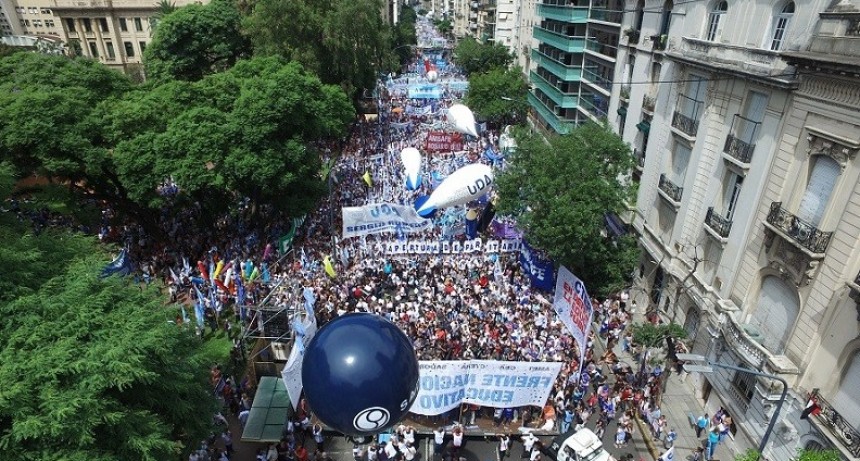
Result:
pixel 360 374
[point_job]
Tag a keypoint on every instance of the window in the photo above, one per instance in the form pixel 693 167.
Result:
pixel 744 384
pixel 25 22
pixel 680 160
pixel 693 97
pixel 94 50
pixel 138 25
pixel 731 194
pixel 37 23
pixel 46 11
pixel 88 25
pixel 33 10
pixel 103 24
pixel 142 46
pixel 49 23
pixel 666 19
pixel 825 172
pixel 129 49
pixel 847 399
pixel 123 25
pixel 749 123
pixel 640 15
pixel 775 314
pixel 110 50
pixel 21 10
pixel 713 32
pixel 657 287
pixel 780 24
pixel 70 25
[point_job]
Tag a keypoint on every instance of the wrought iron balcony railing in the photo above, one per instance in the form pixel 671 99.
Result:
pixel 738 149
pixel 802 232
pixel 688 125
pixel 717 223
pixel 671 189
pixel 842 430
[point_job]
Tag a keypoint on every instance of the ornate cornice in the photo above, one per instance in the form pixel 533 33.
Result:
pixel 820 145
pixel 832 90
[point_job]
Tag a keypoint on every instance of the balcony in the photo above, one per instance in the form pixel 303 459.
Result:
pixel 735 58
pixel 741 148
pixel 741 342
pixel 659 42
pixel 604 15
pixel 601 48
pixel 670 190
pixel 596 79
pixel 566 100
pixel 598 111
pixel 570 14
pixel 639 156
pixel 632 36
pixel 625 92
pixel 565 72
pixel 648 103
pixel 802 233
pixel 836 425
pixel 685 124
pixel 548 115
pixel 563 42
pixel 720 225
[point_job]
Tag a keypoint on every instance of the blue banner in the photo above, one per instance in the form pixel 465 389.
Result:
pixel 425 92
pixel 539 270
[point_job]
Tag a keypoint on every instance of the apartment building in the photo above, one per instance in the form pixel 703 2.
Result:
pixel 9 22
pixel 744 117
pixel 575 52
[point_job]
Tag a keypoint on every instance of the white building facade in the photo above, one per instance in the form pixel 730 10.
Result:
pixel 744 117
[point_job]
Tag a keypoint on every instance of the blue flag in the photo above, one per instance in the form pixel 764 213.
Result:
pixel 310 300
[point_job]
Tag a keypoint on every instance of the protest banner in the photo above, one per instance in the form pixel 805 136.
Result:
pixel 440 141
pixel 539 270
pixel 378 218
pixel 444 385
pixel 448 247
pixel 573 307
pixel 424 92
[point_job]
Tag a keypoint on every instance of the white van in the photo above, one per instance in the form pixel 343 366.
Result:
pixel 581 446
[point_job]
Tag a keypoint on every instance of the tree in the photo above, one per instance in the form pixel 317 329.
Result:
pixel 444 27
pixel 195 41
pixel 559 190
pixel 654 336
pixel 475 57
pixel 91 368
pixel 344 42
pixel 818 455
pixel 404 35
pixel 499 95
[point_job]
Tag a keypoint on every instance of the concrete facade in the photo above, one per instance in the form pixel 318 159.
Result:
pixel 744 118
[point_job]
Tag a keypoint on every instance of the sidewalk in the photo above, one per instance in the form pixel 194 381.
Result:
pixel 677 403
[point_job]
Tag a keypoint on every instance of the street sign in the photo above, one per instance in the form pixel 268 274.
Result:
pixel 691 357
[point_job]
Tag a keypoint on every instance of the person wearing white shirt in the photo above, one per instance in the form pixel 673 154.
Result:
pixel 409 435
pixel 409 452
pixel 504 445
pixel 390 450
pixel 528 442
pixel 438 440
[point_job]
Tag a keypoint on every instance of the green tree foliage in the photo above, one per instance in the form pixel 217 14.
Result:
pixel 560 188
pixel 818 455
pixel 652 336
pixel 444 27
pixel 475 57
pixel 404 35
pixel 245 131
pixel 499 95
pixel 344 41
pixel 196 40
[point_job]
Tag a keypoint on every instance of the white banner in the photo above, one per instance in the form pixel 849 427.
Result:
pixel 447 247
pixel 573 307
pixel 444 385
pixel 382 217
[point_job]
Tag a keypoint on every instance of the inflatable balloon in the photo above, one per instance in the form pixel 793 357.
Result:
pixel 463 120
pixel 432 76
pixel 360 374
pixel 461 187
pixel 411 159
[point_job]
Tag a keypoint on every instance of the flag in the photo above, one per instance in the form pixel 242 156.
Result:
pixel 266 276
pixel 367 179
pixel 669 455
pixel 811 408
pixel 329 269
pixel 310 300
pixel 198 308
pixel 120 265
pixel 174 277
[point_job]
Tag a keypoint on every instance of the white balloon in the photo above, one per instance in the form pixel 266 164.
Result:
pixel 411 159
pixel 463 119
pixel 461 187
pixel 432 75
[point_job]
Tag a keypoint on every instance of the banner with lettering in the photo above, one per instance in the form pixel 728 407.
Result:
pixel 573 307
pixel 539 270
pixel 382 217
pixel 440 141
pixel 425 92
pixel 444 385
pixel 447 247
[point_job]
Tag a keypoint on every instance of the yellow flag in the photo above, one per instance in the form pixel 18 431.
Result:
pixel 329 269
pixel 367 179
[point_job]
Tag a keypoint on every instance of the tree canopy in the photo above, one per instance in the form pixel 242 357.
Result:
pixel 475 57
pixel 344 41
pixel 244 132
pixel 559 190
pixel 196 40
pixel 499 95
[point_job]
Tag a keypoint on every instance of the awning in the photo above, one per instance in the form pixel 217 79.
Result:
pixel 622 110
pixel 644 126
pixel 614 224
pixel 268 413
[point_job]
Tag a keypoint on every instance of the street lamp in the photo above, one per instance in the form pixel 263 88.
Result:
pixel 709 368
